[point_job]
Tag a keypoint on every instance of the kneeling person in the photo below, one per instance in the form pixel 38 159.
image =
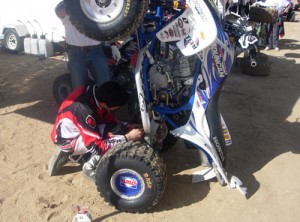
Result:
pixel 84 124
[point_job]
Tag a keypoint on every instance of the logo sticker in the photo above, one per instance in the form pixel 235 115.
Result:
pixel 128 182
pixel 189 41
pixel 180 23
pixel 91 121
pixel 171 32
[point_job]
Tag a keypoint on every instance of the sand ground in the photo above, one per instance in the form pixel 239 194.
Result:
pixel 263 116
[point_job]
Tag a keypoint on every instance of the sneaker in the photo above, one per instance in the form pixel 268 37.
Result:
pixel 267 48
pixel 277 49
pixel 57 161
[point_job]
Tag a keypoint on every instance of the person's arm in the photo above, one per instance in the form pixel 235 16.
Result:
pixel 60 10
pixel 135 134
pixel 268 3
pixel 94 141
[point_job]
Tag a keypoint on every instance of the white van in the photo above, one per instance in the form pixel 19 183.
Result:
pixel 34 19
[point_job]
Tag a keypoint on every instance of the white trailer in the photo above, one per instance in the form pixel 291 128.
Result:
pixel 20 19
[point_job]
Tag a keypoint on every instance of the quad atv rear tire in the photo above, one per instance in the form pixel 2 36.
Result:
pixel 62 87
pixel 263 67
pixel 264 15
pixel 132 177
pixel 107 20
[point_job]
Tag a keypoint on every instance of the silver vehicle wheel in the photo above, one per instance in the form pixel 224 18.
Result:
pixel 12 41
pixel 102 11
pixel 106 20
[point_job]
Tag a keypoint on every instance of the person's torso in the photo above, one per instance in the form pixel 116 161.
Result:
pixel 76 38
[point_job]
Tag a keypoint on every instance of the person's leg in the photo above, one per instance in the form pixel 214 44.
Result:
pixel 275 35
pixel 271 46
pixel 267 30
pixel 98 62
pixel 58 159
pixel 89 168
pixel 77 65
pixel 72 151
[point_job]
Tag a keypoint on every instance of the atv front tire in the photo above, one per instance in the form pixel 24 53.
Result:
pixel 262 68
pixel 62 87
pixel 106 20
pixel 131 176
pixel 264 15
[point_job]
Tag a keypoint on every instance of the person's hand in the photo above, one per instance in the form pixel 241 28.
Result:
pixel 115 53
pixel 133 126
pixel 135 134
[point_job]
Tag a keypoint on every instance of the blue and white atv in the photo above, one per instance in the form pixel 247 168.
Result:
pixel 184 56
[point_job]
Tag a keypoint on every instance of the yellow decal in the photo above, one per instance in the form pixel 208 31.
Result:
pixel 202 35
pixel 175 4
pixel 148 181
pixel 127 8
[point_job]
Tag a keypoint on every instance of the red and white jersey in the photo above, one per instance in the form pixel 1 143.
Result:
pixel 79 115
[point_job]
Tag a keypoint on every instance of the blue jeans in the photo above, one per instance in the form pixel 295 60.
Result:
pixel 272 30
pixel 81 61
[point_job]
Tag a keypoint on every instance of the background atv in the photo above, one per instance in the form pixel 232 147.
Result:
pixel 244 19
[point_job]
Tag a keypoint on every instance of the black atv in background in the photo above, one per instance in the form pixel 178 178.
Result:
pixel 248 20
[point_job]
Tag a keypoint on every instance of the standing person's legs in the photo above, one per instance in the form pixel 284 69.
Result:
pixel 268 27
pixel 275 35
pixel 271 35
pixel 77 65
pixel 98 62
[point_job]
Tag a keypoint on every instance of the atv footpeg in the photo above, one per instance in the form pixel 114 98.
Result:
pixel 237 183
pixel 210 173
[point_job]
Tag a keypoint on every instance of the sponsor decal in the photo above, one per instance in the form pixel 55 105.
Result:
pixel 218 146
pixel 171 32
pixel 142 103
pixel 166 34
pixel 148 181
pixel 128 182
pixel 218 62
pixel 200 11
pixel 162 35
pixel 189 40
pixel 176 30
pixel 127 8
pixel 202 35
pixel 180 23
pixel 183 31
pixel 91 121
pixel 185 20
pixel 201 56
